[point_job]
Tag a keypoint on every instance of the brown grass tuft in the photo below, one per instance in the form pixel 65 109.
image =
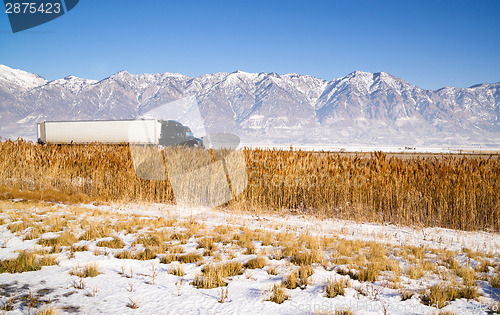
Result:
pixel 256 263
pixel 26 261
pixel 278 294
pixel 298 278
pixel 176 270
pixel 189 258
pixel 334 288
pixel 89 270
pixel 124 254
pixel 114 243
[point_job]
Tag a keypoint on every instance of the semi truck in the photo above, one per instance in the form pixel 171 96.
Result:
pixel 143 131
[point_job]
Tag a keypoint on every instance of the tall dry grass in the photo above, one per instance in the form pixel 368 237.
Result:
pixel 446 191
pixel 83 172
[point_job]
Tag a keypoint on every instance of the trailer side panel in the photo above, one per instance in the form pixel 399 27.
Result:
pixel 117 131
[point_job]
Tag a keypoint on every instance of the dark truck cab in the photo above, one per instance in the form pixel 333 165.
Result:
pixel 173 133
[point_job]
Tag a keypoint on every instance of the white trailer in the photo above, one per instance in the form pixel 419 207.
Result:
pixel 145 131
pixel 103 131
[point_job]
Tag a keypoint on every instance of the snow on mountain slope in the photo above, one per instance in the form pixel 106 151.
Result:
pixel 21 79
pixel 72 83
pixel 360 108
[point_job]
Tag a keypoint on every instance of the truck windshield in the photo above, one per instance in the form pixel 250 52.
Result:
pixel 189 134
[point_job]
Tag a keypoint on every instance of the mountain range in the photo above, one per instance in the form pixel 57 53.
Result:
pixel 361 108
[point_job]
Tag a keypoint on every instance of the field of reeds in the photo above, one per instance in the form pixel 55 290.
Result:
pixel 446 191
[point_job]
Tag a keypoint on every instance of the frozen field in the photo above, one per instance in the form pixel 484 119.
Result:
pixel 163 259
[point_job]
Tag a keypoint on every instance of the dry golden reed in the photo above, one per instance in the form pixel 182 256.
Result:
pixel 443 190
pixel 75 173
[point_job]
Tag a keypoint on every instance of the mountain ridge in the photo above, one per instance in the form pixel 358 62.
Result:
pixel 359 108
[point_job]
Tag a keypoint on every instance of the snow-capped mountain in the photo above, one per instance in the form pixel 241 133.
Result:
pixel 361 108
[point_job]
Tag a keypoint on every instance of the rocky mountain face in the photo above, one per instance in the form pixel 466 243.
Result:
pixel 266 108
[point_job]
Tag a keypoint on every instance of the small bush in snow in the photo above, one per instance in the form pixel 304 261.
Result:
pixel 278 294
pixel 334 288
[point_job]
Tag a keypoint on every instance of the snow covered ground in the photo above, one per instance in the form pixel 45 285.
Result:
pixel 150 285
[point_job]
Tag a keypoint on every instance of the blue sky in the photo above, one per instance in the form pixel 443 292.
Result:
pixel 429 43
